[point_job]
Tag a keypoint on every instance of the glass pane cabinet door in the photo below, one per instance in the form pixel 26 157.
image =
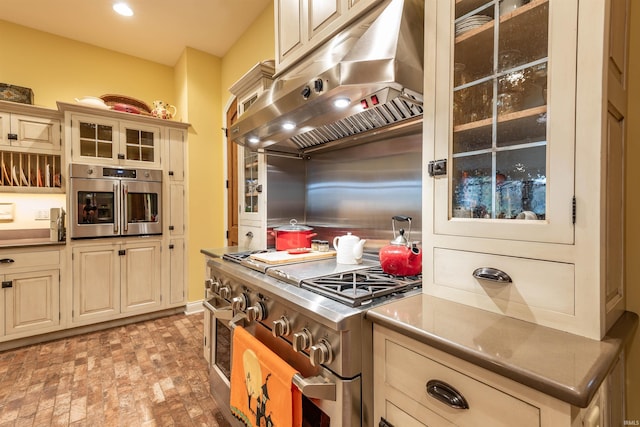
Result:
pixel 503 118
pixel 252 187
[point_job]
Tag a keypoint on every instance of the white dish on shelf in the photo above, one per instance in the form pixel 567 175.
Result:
pixel 25 181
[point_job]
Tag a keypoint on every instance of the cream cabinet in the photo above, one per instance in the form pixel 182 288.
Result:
pixel 111 141
pixel 174 258
pixel 30 148
pixel 303 25
pixel 524 142
pixel 252 184
pixel 30 294
pixel 116 279
pixel 417 385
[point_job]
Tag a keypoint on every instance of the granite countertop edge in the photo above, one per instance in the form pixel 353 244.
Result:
pixel 23 243
pixel 579 394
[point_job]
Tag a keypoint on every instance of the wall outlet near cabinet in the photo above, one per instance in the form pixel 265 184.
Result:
pixel 42 214
pixel 6 211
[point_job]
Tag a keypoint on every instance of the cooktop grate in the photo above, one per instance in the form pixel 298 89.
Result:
pixel 361 287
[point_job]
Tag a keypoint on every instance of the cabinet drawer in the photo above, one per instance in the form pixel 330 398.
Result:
pixel 536 284
pixel 28 259
pixel 408 372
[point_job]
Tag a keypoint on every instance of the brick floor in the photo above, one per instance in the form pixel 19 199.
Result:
pixel 150 373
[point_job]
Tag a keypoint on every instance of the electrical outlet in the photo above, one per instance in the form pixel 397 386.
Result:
pixel 42 214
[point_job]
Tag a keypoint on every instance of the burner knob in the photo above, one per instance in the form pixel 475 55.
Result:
pixel 320 353
pixel 239 303
pixel 224 292
pixel 208 283
pixel 301 340
pixel 281 327
pixel 257 312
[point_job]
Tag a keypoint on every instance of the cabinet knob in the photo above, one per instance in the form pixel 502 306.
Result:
pixel 249 234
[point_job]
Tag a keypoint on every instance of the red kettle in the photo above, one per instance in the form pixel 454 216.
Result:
pixel 400 257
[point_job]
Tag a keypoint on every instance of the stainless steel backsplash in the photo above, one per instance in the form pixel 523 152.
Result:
pixel 357 189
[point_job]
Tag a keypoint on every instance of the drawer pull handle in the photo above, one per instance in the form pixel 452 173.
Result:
pixel 6 261
pixel 446 394
pixel 492 274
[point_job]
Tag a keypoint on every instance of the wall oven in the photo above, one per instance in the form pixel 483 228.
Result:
pixel 112 201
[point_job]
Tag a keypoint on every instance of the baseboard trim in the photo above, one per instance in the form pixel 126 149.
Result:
pixel 65 333
pixel 194 307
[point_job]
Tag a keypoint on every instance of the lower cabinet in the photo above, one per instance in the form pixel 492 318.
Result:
pixel 177 261
pixel 30 293
pixel 114 280
pixel 417 385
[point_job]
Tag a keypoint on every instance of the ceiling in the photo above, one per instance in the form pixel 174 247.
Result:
pixel 158 31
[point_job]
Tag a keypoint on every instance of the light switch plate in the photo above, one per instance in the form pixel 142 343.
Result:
pixel 6 211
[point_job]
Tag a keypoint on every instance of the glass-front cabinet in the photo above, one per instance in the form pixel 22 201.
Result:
pixel 252 185
pixel 107 141
pixel 505 123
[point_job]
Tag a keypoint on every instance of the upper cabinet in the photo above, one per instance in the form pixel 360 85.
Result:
pixel 30 148
pixel 95 139
pixel 522 182
pixel 302 25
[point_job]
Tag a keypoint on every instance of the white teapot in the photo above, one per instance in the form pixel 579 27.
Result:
pixel 349 249
pixel 163 110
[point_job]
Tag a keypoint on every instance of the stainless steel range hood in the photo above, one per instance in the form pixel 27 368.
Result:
pixel 376 64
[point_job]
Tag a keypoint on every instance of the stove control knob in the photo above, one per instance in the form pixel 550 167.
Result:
pixel 239 303
pixel 224 292
pixel 281 327
pixel 320 353
pixel 301 340
pixel 208 283
pixel 256 312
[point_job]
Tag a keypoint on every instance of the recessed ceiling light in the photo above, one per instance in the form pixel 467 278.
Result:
pixel 341 102
pixel 288 125
pixel 253 139
pixel 123 9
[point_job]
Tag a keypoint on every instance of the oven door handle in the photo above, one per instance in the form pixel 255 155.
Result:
pixel 224 313
pixel 317 387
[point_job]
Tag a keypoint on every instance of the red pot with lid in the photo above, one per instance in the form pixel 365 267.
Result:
pixel 293 236
pixel 401 257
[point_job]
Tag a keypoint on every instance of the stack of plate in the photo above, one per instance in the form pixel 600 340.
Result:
pixel 471 22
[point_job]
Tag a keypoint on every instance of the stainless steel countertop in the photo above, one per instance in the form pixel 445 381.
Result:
pixel 566 366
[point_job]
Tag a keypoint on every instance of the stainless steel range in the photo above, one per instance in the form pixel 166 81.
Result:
pixel 312 315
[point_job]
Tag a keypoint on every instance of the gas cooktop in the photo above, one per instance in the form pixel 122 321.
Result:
pixel 353 285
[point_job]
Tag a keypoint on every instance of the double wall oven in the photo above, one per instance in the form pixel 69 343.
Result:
pixel 112 201
pixel 309 313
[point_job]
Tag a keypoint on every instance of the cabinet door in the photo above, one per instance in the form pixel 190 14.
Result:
pixel 94 139
pixel 289 27
pixel 140 277
pixel 139 145
pixel 177 282
pixel 32 302
pixel 176 141
pixel 322 13
pixel 504 118
pixel 96 283
pixel 176 209
pixel 35 132
pixel 5 128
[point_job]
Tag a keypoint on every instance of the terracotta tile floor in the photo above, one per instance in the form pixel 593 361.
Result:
pixel 151 373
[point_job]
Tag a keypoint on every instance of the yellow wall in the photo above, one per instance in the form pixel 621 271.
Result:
pixel 632 209
pixel 60 69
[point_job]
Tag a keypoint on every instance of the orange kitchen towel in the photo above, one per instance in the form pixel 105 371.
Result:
pixel 262 391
